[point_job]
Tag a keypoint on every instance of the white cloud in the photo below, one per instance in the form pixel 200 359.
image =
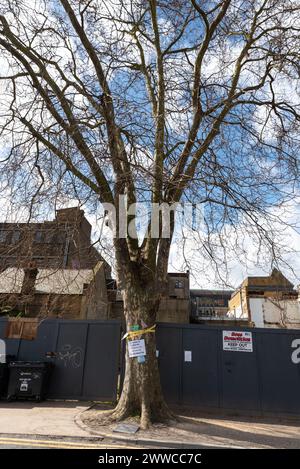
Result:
pixel 238 253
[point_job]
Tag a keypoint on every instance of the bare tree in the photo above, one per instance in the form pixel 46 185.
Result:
pixel 161 101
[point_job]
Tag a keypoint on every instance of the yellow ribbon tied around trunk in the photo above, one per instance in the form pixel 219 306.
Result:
pixel 133 334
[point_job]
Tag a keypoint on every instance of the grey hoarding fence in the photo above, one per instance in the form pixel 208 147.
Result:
pixel 199 368
pixel 85 355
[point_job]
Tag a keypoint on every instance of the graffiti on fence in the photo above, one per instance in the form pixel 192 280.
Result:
pixel 71 356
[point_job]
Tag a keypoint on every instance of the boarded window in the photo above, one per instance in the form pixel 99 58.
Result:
pixel 22 328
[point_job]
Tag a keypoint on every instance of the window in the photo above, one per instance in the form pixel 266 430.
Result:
pixel 119 294
pixel 60 237
pixel 179 284
pixel 40 261
pixel 3 236
pixel 15 237
pixel 38 236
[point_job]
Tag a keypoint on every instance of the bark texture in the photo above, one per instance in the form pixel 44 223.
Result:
pixel 141 394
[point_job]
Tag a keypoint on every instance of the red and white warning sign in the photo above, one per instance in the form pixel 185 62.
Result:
pixel 237 341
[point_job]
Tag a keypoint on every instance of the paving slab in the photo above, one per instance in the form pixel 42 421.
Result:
pixel 51 418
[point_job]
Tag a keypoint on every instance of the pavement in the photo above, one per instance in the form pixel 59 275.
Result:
pixel 68 424
pixel 198 429
pixel 49 424
pixel 49 418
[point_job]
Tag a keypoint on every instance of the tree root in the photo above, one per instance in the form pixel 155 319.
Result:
pixel 144 418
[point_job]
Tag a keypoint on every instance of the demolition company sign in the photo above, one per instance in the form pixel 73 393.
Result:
pixel 237 341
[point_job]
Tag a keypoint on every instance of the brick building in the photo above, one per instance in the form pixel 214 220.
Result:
pixel 60 293
pixel 63 243
pixel 174 307
pixel 267 301
pixel 51 269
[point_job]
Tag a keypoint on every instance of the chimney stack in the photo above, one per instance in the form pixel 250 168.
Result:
pixel 30 275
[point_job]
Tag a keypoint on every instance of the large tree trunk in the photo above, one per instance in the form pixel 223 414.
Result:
pixel 141 394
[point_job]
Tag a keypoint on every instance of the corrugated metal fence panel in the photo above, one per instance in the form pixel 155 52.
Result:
pixel 66 380
pixel 200 377
pixel 169 346
pixel 265 380
pixel 35 350
pixel 102 361
pixel 85 354
pixel 280 377
pixel 239 377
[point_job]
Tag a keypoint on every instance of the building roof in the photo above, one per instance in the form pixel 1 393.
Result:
pixel 63 281
pixel 179 274
pixel 203 292
pixel 275 282
pixel 11 280
pixel 57 281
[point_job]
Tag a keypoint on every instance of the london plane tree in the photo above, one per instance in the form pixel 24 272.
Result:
pixel 160 102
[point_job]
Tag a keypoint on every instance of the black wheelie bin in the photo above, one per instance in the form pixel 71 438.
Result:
pixel 28 380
